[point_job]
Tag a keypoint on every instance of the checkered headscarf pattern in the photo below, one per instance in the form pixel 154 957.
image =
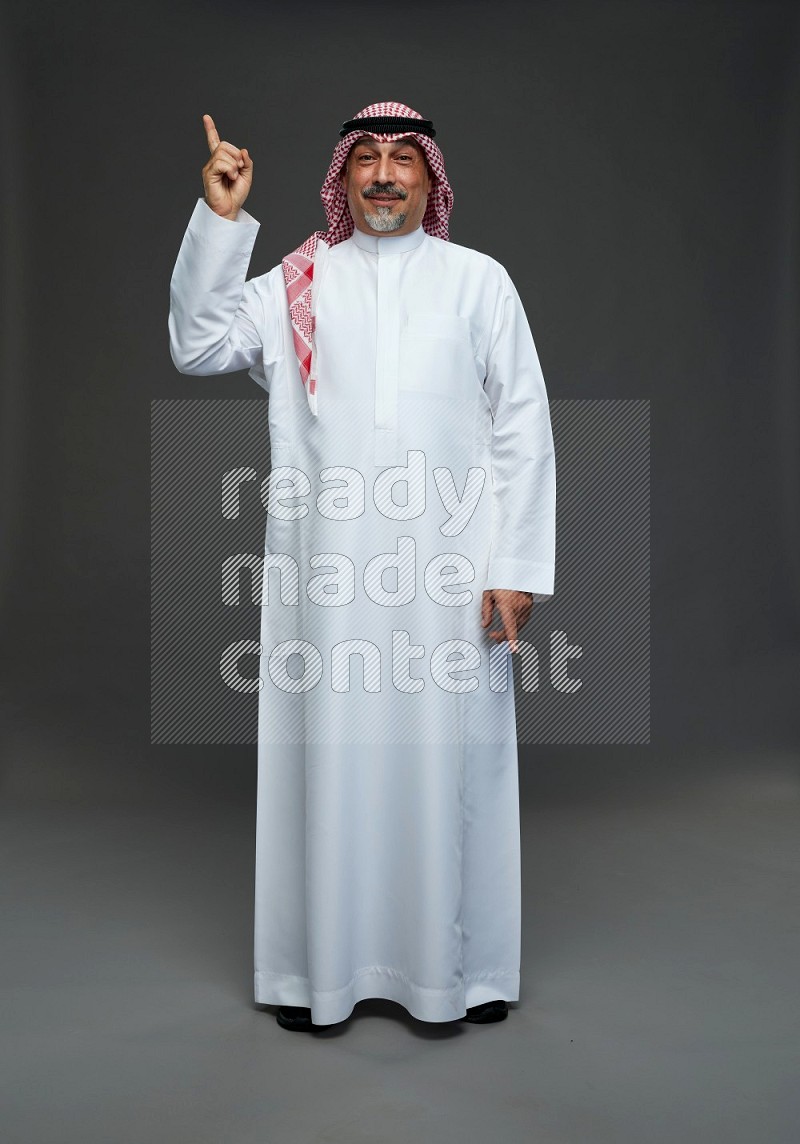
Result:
pixel 298 267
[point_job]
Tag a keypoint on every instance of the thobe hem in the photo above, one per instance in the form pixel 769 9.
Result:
pixel 330 1006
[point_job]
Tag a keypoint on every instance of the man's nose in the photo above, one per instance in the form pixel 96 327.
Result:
pixel 385 172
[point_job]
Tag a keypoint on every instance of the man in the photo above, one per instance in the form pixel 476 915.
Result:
pixel 412 457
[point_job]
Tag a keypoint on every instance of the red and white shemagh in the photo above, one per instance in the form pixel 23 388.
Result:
pixel 298 267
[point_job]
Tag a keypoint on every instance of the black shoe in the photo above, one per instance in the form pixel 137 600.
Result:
pixel 298 1018
pixel 489 1011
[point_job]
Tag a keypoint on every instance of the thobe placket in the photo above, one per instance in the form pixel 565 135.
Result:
pixel 390 253
pixel 387 352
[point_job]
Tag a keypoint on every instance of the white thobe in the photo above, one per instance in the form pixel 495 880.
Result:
pixel 387 838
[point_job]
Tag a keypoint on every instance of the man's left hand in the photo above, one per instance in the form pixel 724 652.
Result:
pixel 514 609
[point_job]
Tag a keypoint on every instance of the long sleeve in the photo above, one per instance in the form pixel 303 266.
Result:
pixel 216 318
pixel 522 552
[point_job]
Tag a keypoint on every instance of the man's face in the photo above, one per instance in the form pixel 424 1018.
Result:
pixel 387 185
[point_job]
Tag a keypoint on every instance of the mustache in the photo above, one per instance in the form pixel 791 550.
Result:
pixel 377 189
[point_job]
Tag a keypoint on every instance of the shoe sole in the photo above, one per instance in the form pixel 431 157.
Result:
pixel 488 1018
pixel 298 1024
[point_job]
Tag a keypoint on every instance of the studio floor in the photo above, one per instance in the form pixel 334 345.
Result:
pixel 659 996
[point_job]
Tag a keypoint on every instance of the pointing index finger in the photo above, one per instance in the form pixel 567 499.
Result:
pixel 211 133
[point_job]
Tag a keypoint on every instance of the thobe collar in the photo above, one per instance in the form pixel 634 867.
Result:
pixel 384 244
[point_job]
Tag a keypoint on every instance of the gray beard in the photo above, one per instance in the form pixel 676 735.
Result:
pixel 382 219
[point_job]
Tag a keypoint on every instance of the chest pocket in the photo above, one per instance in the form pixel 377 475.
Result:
pixel 436 355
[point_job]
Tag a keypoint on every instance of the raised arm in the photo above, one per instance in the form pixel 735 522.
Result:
pixel 216 318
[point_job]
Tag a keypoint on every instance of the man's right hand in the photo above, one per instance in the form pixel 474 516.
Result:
pixel 228 174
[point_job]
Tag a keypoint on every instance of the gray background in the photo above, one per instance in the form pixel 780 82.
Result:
pixel 635 167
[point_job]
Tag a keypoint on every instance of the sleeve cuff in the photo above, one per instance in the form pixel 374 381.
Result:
pixel 208 224
pixel 522 576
